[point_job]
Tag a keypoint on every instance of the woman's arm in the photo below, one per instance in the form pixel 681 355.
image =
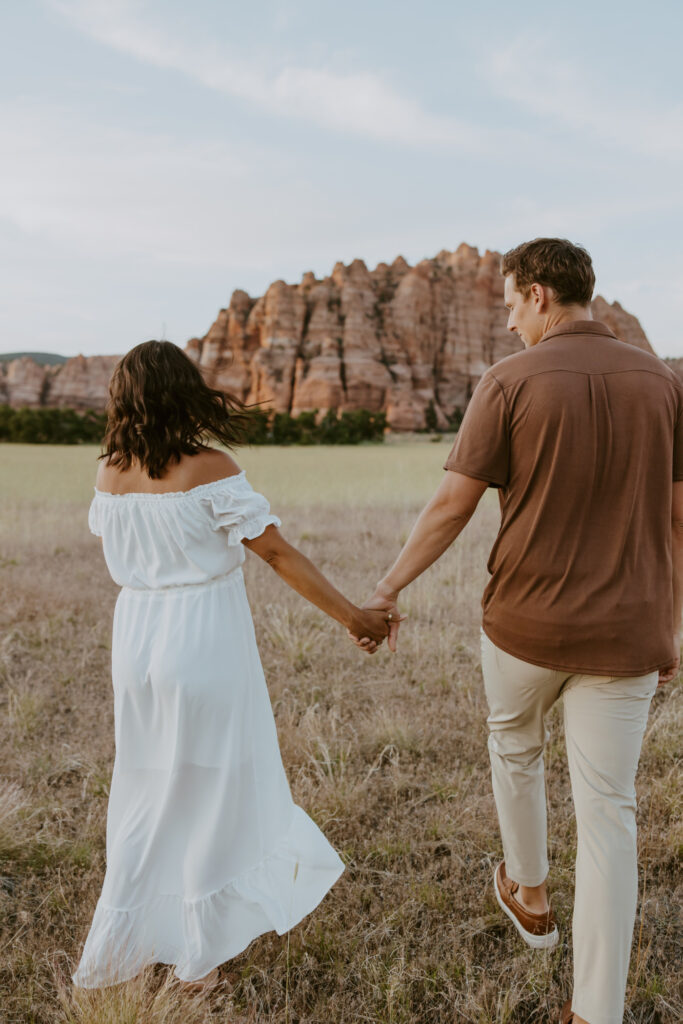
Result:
pixel 301 575
pixel 437 526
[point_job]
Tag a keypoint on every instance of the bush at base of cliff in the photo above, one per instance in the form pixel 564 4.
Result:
pixel 51 426
pixel 66 426
pixel 350 427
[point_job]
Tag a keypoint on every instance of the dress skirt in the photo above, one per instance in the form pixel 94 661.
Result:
pixel 205 847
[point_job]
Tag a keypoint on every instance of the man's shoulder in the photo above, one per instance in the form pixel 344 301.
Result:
pixel 510 369
pixel 623 356
pixel 651 362
pixel 607 354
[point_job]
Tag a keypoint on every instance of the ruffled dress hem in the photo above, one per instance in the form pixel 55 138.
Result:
pixel 197 935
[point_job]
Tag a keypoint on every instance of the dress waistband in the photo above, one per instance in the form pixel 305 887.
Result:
pixel 179 588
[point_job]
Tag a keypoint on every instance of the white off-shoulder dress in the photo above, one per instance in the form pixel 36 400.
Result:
pixel 205 847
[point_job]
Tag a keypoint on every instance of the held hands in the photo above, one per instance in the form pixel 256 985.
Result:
pixel 370 624
pixel 382 602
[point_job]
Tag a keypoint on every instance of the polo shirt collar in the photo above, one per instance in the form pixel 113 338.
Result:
pixel 579 327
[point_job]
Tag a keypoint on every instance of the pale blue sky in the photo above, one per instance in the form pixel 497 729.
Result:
pixel 157 154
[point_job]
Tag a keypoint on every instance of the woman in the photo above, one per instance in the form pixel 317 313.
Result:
pixel 205 847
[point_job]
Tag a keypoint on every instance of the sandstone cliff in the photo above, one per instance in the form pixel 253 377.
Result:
pixel 79 383
pixel 396 338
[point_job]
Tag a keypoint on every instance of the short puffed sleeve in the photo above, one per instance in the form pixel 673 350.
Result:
pixel 240 510
pixel 94 517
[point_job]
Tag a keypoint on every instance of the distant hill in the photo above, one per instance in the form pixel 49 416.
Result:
pixel 42 358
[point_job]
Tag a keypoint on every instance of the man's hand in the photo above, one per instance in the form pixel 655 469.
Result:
pixel 371 624
pixel 670 671
pixel 382 600
pixel 437 526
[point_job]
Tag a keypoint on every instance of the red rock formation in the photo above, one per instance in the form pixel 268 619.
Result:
pixel 397 338
pixel 624 325
pixel 80 383
pixel 24 382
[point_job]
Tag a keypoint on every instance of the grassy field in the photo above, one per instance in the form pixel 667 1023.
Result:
pixel 367 474
pixel 388 754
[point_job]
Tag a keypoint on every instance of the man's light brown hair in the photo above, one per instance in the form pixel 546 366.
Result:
pixel 555 263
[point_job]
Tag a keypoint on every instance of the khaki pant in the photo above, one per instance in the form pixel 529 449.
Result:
pixel 604 722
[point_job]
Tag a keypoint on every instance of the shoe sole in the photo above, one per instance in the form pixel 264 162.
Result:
pixel 535 941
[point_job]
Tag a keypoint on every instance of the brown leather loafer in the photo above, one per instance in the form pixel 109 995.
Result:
pixel 566 1016
pixel 538 930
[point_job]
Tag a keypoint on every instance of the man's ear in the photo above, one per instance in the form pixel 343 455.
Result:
pixel 542 295
pixel 538 297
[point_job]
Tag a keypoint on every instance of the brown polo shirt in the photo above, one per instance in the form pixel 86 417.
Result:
pixel 583 435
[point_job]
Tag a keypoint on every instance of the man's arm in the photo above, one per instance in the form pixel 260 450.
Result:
pixel 437 526
pixel 304 577
pixel 670 671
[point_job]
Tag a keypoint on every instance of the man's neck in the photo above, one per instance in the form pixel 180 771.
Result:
pixel 564 315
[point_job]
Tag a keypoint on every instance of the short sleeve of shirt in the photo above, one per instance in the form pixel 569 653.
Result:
pixel 678 448
pixel 482 447
pixel 94 517
pixel 239 510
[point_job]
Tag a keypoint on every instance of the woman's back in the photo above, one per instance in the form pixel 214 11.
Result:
pixel 185 528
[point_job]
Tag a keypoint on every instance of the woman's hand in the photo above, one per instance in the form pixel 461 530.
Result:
pixel 370 624
pixel 383 600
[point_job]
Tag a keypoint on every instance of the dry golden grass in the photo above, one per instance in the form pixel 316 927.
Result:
pixel 387 753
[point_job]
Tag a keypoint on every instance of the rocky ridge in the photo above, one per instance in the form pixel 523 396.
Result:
pixel 79 383
pixel 396 338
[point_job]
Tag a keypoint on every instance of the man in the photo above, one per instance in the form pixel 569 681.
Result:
pixel 583 436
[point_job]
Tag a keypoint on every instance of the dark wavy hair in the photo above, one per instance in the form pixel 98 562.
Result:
pixel 161 408
pixel 554 262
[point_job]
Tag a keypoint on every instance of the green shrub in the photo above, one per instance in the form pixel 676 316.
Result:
pixel 455 419
pixel 350 427
pixel 51 426
pixel 66 426
pixel 431 421
pixel 259 425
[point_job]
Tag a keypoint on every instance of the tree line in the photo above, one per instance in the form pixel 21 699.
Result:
pixel 66 426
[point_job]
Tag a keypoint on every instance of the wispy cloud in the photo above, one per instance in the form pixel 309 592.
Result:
pixel 81 187
pixel 114 190
pixel 360 103
pixel 539 78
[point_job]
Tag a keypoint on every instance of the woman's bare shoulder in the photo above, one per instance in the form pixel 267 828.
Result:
pixel 192 471
pixel 210 465
pixel 103 474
